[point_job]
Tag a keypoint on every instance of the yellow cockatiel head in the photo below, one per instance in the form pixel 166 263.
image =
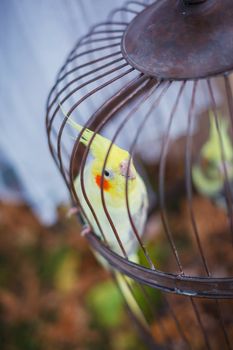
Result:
pixel 117 166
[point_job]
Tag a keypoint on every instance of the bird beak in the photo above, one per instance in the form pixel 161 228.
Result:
pixel 124 165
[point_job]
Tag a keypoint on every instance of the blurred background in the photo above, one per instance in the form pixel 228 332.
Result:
pixel 53 293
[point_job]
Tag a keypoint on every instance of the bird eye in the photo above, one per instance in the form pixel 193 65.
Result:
pixel 106 173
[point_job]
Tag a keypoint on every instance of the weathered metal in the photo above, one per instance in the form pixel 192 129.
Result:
pixel 204 287
pixel 175 40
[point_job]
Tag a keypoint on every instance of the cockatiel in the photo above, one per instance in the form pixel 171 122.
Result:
pixel 114 187
pixel 209 174
pixel 117 168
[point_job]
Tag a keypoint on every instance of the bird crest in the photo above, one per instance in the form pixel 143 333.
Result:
pixel 98 144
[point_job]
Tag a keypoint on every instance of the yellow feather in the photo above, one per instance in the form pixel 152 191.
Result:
pixel 99 145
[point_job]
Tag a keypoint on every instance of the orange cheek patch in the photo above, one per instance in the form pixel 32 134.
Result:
pixel 106 184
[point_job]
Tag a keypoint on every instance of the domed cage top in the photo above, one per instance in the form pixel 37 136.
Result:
pixel 157 100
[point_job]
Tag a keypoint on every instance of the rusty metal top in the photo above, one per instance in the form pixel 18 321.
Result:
pixel 176 40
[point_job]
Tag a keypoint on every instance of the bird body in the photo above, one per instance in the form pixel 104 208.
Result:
pixel 214 167
pixel 117 210
pixel 111 179
pixel 119 169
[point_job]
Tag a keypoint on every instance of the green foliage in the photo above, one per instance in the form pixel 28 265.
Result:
pixel 65 276
pixel 21 335
pixel 126 340
pixel 56 261
pixel 106 303
pixel 4 271
pixel 183 241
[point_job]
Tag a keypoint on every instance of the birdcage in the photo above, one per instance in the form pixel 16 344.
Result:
pixel 155 79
